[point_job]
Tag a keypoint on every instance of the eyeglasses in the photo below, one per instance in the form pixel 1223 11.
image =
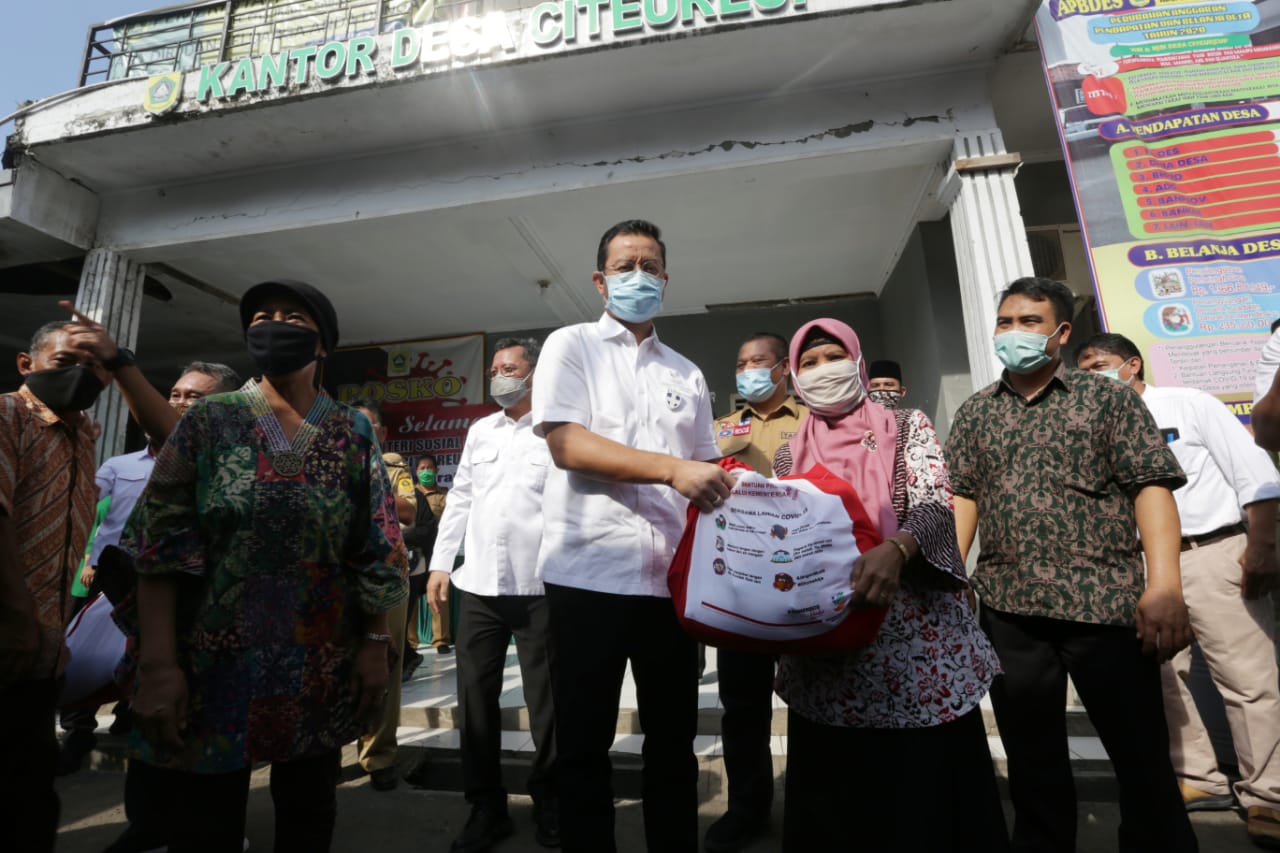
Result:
pixel 652 266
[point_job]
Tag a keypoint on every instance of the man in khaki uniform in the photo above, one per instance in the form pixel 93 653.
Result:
pixel 378 747
pixel 752 434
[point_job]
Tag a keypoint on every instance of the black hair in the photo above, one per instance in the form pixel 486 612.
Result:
pixel 434 464
pixel 629 226
pixel 371 405
pixel 41 335
pixel 1113 344
pixel 1275 324
pixel 532 348
pixel 228 379
pixel 1040 290
pixel 776 342
pixel 816 337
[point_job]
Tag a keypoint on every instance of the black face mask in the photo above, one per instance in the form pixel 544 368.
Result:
pixel 65 389
pixel 280 348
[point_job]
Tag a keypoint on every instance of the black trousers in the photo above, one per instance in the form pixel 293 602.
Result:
pixel 746 693
pixel 1120 688
pixel 29 805
pixel 891 790
pixel 205 812
pixel 485 626
pixel 594 634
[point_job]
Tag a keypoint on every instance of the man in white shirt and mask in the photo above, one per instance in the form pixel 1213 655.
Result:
pixel 628 423
pixel 495 507
pixel 1229 569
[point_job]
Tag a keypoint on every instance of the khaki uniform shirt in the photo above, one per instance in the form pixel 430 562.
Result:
pixel 435 498
pixel 401 479
pixel 754 438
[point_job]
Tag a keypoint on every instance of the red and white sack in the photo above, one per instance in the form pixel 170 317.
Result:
pixel 769 570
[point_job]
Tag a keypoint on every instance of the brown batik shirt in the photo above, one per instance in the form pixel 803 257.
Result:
pixel 47 489
pixel 1054 479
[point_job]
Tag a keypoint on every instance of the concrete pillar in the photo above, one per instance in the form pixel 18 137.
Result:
pixel 990 241
pixel 111 294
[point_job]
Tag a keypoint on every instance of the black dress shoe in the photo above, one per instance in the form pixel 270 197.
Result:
pixel 546 820
pixel 384 779
pixel 412 660
pixel 77 744
pixel 734 831
pixel 444 649
pixel 484 829
pixel 419 776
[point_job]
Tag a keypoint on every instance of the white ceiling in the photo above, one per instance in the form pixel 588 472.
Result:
pixel 798 229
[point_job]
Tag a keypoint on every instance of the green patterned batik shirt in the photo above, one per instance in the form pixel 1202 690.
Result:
pixel 1054 479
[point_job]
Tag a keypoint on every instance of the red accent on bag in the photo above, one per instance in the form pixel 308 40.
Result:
pixel 858 629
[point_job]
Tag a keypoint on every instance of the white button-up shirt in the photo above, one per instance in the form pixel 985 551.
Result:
pixel 1268 364
pixel 617 537
pixel 496 504
pixel 1225 470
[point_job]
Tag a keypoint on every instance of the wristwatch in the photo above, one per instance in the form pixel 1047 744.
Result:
pixel 124 358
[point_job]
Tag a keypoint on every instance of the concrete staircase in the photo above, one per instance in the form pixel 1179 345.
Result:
pixel 429 736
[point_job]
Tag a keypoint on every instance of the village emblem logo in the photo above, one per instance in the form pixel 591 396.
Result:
pixel 164 91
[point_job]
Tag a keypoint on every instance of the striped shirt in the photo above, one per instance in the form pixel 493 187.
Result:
pixel 47 489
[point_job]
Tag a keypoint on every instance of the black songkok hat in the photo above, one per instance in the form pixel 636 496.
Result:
pixel 884 370
pixel 317 304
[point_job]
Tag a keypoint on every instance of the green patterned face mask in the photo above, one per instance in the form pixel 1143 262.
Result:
pixel 427 477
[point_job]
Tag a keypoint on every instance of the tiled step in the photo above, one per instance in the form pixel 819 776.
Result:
pixel 517 720
pixel 429 731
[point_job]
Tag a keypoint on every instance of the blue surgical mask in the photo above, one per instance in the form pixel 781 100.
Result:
pixel 1023 352
pixel 757 383
pixel 635 296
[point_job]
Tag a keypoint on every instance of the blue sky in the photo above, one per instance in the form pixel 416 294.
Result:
pixel 42 42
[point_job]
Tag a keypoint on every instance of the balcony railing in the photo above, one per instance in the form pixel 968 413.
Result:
pixel 183 38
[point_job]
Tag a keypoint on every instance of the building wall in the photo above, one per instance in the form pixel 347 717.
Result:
pixel 921 327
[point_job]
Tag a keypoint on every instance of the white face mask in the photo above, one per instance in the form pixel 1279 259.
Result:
pixel 506 391
pixel 834 388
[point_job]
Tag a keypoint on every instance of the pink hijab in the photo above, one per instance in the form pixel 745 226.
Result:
pixel 844 443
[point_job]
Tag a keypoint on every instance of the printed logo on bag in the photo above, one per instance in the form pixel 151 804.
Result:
pixel 719 566
pixel 720 522
pixel 781 557
pixel 783 582
pixel 840 601
pixel 778 532
pixel 719 543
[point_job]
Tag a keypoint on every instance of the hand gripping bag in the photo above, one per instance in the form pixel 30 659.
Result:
pixel 769 569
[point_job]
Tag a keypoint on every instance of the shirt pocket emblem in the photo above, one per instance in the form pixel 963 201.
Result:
pixel 675 399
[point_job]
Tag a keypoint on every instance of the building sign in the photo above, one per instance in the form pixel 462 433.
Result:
pixel 1170 116
pixel 431 392
pixel 437 45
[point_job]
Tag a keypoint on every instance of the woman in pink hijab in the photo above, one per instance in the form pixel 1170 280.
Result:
pixel 886 745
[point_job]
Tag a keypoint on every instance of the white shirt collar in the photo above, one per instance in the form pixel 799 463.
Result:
pixel 609 328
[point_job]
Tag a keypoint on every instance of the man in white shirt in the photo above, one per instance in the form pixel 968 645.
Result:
pixel 495 508
pixel 626 419
pixel 1228 573
pixel 1266 393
